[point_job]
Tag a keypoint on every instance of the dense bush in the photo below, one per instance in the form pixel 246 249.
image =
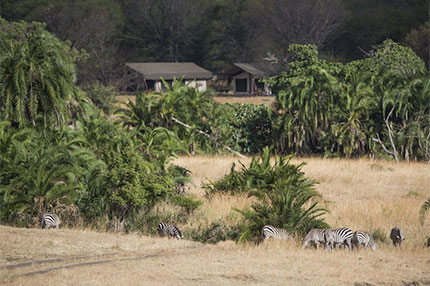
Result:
pixel 376 106
pixel 251 127
pixel 286 198
pixel 215 233
pixel 102 96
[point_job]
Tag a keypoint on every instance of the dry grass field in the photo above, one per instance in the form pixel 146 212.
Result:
pixel 267 100
pixel 361 194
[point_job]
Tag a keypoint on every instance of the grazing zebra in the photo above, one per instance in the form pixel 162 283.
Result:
pixel 48 220
pixel 397 236
pixel 269 231
pixel 314 237
pixel 362 237
pixel 337 237
pixel 169 230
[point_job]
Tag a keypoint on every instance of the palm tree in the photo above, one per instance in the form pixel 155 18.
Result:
pixel 37 76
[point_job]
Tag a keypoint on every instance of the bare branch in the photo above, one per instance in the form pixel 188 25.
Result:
pixel 271 58
pixel 378 140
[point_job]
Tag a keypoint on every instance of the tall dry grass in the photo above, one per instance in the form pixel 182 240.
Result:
pixel 361 194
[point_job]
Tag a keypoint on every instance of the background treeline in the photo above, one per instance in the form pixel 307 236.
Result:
pixel 215 33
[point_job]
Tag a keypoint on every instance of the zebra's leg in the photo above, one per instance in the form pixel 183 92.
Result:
pixel 348 243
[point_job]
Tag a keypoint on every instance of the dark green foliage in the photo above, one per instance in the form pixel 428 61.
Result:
pixel 42 171
pixel 188 204
pixel 251 127
pixel 102 96
pixel 260 175
pixel 291 205
pixel 134 183
pixel 286 198
pixel 377 106
pixel 37 75
pixel 215 33
pixel 379 235
pixel 215 233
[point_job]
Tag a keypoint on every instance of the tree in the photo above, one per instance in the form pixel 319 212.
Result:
pixel 299 22
pixel 371 22
pixel 165 30
pixel 37 75
pixel 93 25
pixel 41 171
pixel 418 40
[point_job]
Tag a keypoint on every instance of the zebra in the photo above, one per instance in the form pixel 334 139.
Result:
pixel 314 237
pixel 337 237
pixel 48 220
pixel 397 236
pixel 269 231
pixel 169 230
pixel 362 237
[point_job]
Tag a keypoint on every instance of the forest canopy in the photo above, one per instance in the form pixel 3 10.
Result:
pixel 215 33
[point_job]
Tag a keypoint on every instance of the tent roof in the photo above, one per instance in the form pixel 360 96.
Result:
pixel 170 70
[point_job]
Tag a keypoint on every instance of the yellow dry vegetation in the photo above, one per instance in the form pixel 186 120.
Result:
pixel 266 100
pixel 361 194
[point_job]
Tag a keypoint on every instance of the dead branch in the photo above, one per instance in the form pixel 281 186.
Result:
pixel 271 58
pixel 394 153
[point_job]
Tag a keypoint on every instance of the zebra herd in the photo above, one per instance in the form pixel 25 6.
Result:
pixel 333 238
pixel 329 238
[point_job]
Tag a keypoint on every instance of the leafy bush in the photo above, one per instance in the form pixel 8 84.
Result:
pixel 252 127
pixel 286 198
pixel 102 96
pixel 379 235
pixel 260 175
pixel 41 171
pixel 188 204
pixel 215 233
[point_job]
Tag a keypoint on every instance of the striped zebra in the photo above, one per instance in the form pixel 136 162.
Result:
pixel 337 237
pixel 48 220
pixel 269 231
pixel 364 238
pixel 397 236
pixel 314 237
pixel 169 230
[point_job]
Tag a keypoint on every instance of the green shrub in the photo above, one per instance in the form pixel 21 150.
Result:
pixel 252 127
pixel 379 235
pixel 286 198
pixel 214 233
pixel 189 205
pixel 102 96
